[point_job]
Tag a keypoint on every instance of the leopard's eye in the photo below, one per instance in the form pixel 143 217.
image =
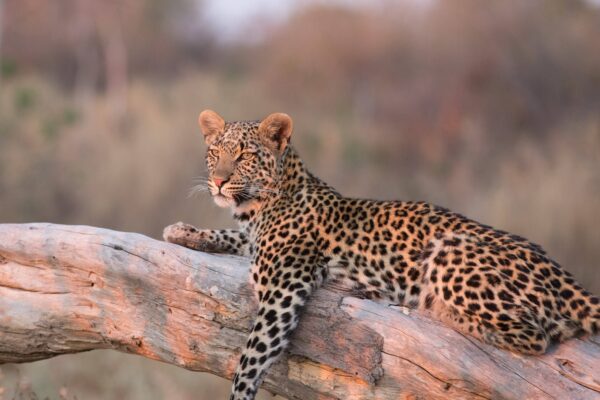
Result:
pixel 246 156
pixel 213 153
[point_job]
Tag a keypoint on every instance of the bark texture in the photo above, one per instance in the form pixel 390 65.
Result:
pixel 66 289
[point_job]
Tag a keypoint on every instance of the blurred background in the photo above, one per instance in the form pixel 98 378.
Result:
pixel 488 108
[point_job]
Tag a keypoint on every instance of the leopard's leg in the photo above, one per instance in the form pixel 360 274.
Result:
pixel 516 330
pixel 283 287
pixel 462 287
pixel 229 241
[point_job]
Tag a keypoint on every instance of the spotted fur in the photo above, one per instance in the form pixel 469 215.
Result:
pixel 299 231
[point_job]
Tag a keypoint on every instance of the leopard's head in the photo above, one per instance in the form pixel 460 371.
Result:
pixel 242 156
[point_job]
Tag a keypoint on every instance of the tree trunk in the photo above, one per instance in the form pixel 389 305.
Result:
pixel 66 289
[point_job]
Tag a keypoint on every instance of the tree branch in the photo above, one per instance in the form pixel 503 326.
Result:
pixel 66 289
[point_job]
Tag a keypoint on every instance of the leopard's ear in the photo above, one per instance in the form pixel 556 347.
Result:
pixel 211 125
pixel 275 131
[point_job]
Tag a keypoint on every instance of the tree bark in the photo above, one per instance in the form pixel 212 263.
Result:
pixel 66 289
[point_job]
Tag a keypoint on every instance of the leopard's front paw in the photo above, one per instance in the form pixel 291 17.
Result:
pixel 188 236
pixel 174 233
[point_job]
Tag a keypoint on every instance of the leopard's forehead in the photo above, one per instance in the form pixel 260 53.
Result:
pixel 240 130
pixel 239 134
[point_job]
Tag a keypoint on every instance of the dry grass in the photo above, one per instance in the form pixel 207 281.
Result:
pixel 111 375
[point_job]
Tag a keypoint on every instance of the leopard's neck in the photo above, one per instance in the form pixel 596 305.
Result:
pixel 293 174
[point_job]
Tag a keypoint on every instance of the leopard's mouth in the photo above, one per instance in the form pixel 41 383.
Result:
pixel 232 196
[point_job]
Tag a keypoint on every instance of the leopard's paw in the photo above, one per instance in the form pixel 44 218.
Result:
pixel 189 236
pixel 177 232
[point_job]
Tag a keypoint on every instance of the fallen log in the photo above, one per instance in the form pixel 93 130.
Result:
pixel 67 289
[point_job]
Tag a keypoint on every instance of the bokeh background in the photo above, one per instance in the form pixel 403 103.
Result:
pixel 491 108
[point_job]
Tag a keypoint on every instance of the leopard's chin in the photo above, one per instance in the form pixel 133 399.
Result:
pixel 223 201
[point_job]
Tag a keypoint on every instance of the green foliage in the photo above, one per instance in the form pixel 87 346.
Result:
pixel 24 99
pixel 8 68
pixel 70 116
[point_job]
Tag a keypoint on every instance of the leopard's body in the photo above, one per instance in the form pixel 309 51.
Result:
pixel 299 231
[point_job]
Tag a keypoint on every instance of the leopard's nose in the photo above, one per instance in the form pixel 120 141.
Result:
pixel 219 182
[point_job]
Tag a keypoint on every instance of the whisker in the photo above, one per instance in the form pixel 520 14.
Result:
pixel 200 179
pixel 199 188
pixel 264 190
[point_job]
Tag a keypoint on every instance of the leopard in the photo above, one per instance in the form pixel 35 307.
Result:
pixel 299 232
